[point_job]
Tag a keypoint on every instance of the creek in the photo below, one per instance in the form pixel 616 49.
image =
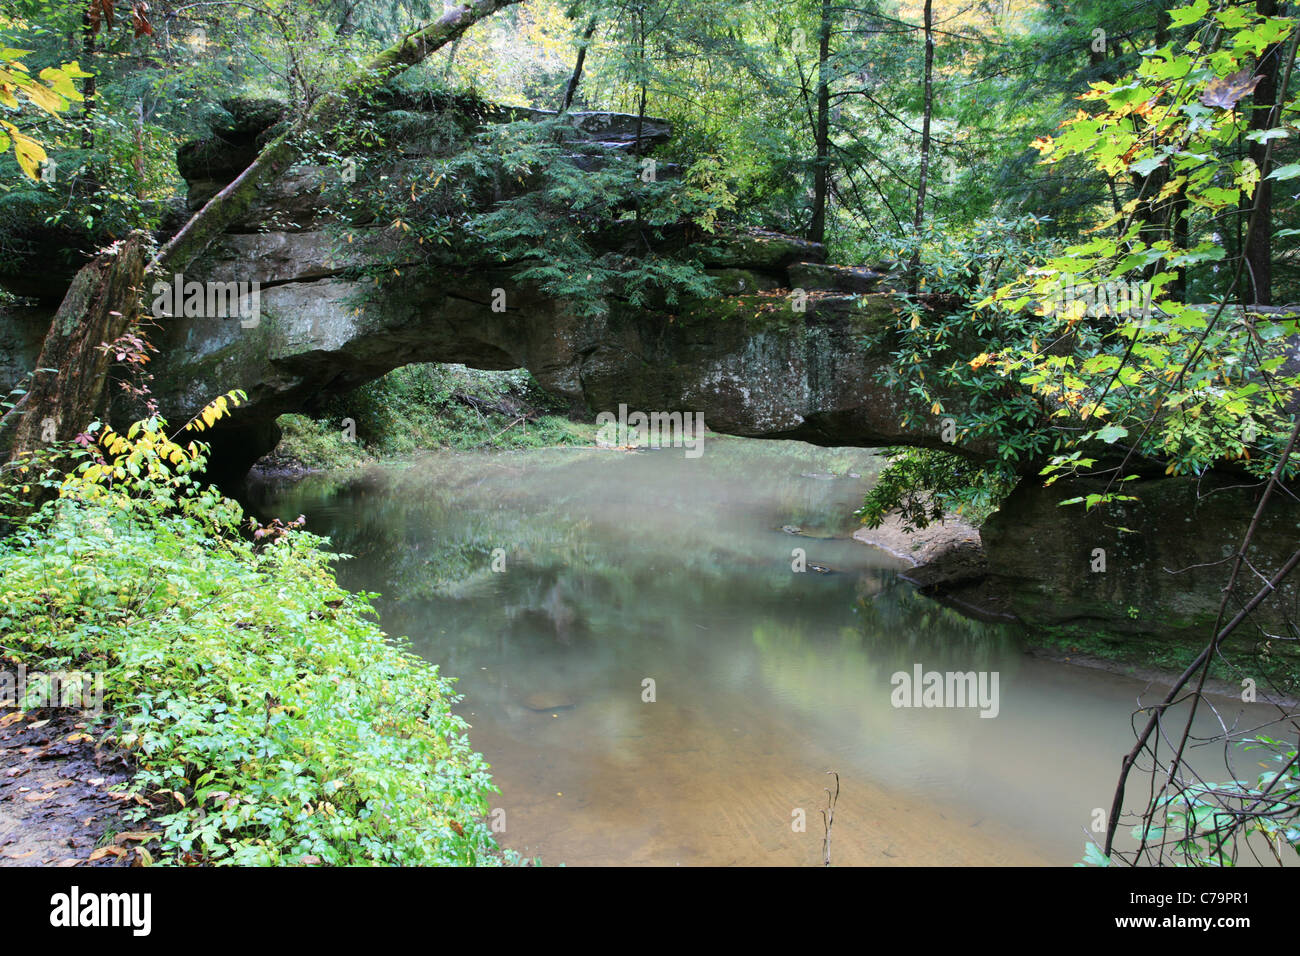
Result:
pixel 653 683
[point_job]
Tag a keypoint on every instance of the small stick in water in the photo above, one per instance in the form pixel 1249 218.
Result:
pixel 828 816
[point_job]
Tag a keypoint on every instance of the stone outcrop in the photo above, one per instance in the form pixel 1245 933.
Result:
pixel 755 360
pixel 1156 566
pixel 750 363
pixel 1132 575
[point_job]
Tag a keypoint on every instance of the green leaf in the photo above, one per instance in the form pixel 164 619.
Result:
pixel 1092 856
pixel 1289 171
pixel 1145 167
pixel 1189 15
pixel 1264 135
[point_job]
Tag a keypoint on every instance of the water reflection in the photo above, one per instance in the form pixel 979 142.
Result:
pixel 627 568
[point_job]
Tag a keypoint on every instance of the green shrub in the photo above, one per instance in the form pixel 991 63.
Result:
pixel 432 406
pixel 924 484
pixel 270 720
pixel 316 443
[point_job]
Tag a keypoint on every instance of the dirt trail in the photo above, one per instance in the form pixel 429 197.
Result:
pixel 55 804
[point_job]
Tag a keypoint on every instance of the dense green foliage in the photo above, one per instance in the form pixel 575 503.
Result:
pixel 429 406
pixel 937 340
pixel 1189 386
pixel 924 485
pixel 269 719
pixel 1088 356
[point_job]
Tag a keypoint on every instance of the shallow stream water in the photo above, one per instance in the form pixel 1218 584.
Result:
pixel 653 683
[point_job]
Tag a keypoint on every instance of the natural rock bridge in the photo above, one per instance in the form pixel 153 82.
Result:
pixel 754 361
pixel 750 361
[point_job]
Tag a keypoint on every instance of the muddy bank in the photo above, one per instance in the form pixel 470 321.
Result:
pixel 56 803
pixel 930 550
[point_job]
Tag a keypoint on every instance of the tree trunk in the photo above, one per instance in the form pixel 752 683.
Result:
pixel 817 227
pixel 137 158
pixel 451 61
pixel 572 89
pixel 104 297
pixel 88 28
pixel 642 71
pixel 101 304
pixel 1177 208
pixel 914 267
pixel 1259 248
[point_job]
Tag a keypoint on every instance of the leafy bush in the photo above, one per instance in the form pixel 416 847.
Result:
pixel 939 348
pixel 924 484
pixel 438 406
pixel 271 722
pixel 316 444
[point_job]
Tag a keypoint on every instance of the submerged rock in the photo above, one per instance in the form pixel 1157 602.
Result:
pixel 549 701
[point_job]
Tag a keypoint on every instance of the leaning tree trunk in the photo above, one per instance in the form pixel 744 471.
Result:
pixel 572 89
pixel 100 305
pixel 229 204
pixel 105 295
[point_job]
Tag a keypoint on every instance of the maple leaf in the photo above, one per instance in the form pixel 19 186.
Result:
pixel 1227 90
pixel 1145 109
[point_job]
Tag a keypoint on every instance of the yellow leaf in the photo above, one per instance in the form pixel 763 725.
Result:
pixel 29 153
pixel 45 98
pixel 1171 187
